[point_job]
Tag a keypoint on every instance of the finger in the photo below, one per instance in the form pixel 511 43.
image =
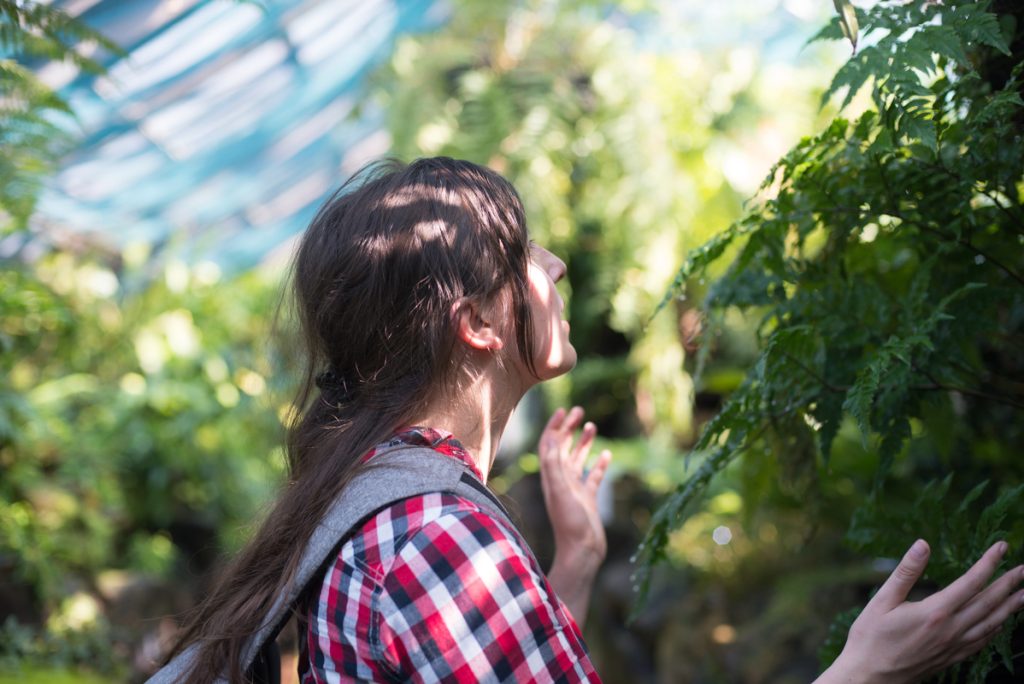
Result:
pixel 566 429
pixel 552 474
pixel 572 420
pixel 895 589
pixel 550 440
pixel 549 448
pixel 555 421
pixel 967 586
pixel 991 623
pixel 950 658
pixel 973 646
pixel 582 449
pixel 988 602
pixel 596 474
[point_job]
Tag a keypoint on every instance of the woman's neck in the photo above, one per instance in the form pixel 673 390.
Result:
pixel 476 416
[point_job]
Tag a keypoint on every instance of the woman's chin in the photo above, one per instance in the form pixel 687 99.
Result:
pixel 562 363
pixel 571 360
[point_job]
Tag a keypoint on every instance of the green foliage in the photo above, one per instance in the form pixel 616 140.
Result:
pixel 30 138
pixel 136 433
pixel 141 421
pixel 901 65
pixel 884 261
pixel 837 633
pixel 50 674
pixel 63 644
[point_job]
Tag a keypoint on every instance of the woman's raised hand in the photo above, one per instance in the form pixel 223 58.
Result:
pixel 570 495
pixel 895 640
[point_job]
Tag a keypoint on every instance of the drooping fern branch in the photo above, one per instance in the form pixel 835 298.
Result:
pixel 31 34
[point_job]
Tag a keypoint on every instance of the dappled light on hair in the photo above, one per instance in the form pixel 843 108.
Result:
pixel 430 230
pixel 405 197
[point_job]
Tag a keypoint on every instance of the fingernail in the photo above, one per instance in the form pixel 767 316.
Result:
pixel 919 549
pixel 1001 548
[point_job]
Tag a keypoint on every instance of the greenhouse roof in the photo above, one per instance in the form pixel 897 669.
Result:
pixel 226 125
pixel 230 121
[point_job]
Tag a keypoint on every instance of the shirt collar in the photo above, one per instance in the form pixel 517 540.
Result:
pixel 441 441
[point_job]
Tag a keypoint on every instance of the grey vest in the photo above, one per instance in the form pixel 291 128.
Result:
pixel 390 477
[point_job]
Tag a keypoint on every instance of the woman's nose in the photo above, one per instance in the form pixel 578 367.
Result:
pixel 555 267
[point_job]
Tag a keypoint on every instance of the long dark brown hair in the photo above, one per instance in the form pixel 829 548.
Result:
pixel 372 284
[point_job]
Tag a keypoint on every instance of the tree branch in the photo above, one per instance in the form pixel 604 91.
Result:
pixel 938 385
pixel 810 371
pixel 959 240
pixel 1017 221
pixel 967 243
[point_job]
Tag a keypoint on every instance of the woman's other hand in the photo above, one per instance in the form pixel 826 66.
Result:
pixel 570 495
pixel 895 640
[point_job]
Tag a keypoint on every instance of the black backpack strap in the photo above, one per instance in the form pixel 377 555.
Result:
pixel 266 667
pixel 394 475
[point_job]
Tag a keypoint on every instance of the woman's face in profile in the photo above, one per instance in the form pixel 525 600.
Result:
pixel 554 354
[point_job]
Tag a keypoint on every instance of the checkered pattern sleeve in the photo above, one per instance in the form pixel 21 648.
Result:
pixel 434 589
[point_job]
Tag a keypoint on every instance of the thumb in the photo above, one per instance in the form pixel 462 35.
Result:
pixel 902 580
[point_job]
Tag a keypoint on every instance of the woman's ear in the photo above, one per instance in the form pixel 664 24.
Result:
pixel 473 326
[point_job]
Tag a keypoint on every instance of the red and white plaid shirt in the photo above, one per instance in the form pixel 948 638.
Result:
pixel 434 589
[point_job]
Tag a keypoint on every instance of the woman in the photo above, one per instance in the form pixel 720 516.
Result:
pixel 426 314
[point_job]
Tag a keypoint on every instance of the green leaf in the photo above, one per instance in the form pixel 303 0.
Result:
pixel 894 436
pixel 828 411
pixel 980 26
pixel 993 516
pixel 971 497
pixel 835 640
pixel 696 261
pixel 919 128
pixel 941 40
pixel 830 31
pixel 860 398
pixel 1000 107
pixel 854 74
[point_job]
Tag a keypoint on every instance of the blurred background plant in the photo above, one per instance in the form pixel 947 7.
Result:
pixel 143 403
pixel 138 439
